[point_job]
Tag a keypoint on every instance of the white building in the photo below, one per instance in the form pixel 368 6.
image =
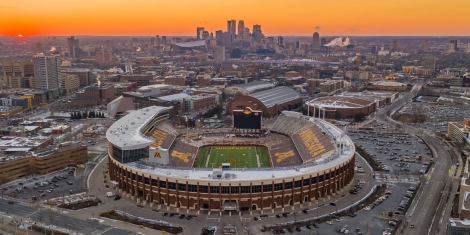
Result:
pixel 47 73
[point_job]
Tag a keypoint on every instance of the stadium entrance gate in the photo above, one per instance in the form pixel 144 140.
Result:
pixel 230 205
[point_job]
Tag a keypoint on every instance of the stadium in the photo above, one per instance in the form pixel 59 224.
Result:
pixel 256 165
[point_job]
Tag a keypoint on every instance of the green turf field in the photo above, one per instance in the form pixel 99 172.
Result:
pixel 237 156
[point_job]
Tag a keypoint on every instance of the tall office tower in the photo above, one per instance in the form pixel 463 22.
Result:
pixel 158 41
pixel 164 40
pixel 374 49
pixel 205 35
pixel 153 41
pixel 219 54
pixel 226 39
pixel 211 36
pixel 429 62
pixel 73 46
pixel 316 41
pixel 229 26
pixel 47 73
pixel 322 41
pixel 425 45
pixel 270 40
pixel 247 32
pixel 233 28
pixel 39 48
pixel 395 45
pixel 257 33
pixel 199 32
pixel 454 44
pixel 241 28
pixel 280 41
pixel 218 37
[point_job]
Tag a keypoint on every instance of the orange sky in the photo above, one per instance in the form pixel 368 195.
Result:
pixel 277 17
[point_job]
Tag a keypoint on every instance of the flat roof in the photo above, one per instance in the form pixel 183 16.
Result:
pixel 154 86
pixel 125 132
pixel 278 95
pixel 253 86
pixel 340 102
pixel 198 43
pixel 386 83
pixel 174 97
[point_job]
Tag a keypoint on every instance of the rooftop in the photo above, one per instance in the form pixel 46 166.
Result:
pixel 125 132
pixel 198 43
pixel 254 86
pixel 276 95
pixel 340 102
pixel 386 83
pixel 174 97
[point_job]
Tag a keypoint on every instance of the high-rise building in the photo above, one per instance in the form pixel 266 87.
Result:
pixel 39 48
pixel 374 49
pixel 280 41
pixel 205 35
pixel 199 32
pixel 322 41
pixel 229 26
pixel 316 41
pixel 47 73
pixel 99 57
pixel 247 32
pixel 395 45
pixel 233 28
pixel 73 46
pixel 270 40
pixel 454 44
pixel 467 48
pixel 158 41
pixel 164 42
pixel 153 41
pixel 257 33
pixel 226 39
pixel 241 28
pixel 219 54
pixel 218 37
pixel 425 45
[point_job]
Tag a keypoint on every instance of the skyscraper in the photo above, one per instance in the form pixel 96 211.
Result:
pixel 316 41
pixel 47 73
pixel 199 32
pixel 39 48
pixel 73 46
pixel 158 41
pixel 164 40
pixel 425 45
pixel 454 44
pixel 218 37
pixel 226 39
pixel 257 33
pixel 395 45
pixel 233 28
pixel 229 26
pixel 322 41
pixel 280 41
pixel 241 28
pixel 219 54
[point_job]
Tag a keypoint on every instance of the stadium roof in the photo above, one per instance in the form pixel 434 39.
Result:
pixel 278 95
pixel 198 43
pixel 254 86
pixel 125 132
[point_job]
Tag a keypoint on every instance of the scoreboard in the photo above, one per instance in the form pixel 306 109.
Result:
pixel 247 119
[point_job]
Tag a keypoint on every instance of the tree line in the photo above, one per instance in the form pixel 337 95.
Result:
pixel 86 114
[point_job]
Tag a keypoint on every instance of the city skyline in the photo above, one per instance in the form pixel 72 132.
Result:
pixel 115 18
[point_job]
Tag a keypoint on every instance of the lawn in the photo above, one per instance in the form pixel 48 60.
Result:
pixel 237 156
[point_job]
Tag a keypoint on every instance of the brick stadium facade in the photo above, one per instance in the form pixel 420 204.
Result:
pixel 250 190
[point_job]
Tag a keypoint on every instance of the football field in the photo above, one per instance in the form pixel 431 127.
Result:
pixel 237 156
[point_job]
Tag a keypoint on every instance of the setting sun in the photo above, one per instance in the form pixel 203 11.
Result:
pixel 20 35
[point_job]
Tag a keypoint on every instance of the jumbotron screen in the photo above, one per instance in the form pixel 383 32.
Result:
pixel 247 119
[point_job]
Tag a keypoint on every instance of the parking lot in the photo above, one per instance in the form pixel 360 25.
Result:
pixel 395 153
pixel 57 186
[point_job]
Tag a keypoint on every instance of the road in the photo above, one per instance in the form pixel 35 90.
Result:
pixel 53 218
pixel 424 208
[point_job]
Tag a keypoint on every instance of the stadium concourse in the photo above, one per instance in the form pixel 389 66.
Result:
pixel 294 160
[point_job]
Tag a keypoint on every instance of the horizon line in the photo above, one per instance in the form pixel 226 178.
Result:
pixel 85 35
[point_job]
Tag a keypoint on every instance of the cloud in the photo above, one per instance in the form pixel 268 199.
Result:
pixel 317 28
pixel 8 7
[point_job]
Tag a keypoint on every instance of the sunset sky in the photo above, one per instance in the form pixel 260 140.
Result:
pixel 286 17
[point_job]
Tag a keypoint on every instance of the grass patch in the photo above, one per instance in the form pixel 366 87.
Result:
pixel 263 157
pixel 163 226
